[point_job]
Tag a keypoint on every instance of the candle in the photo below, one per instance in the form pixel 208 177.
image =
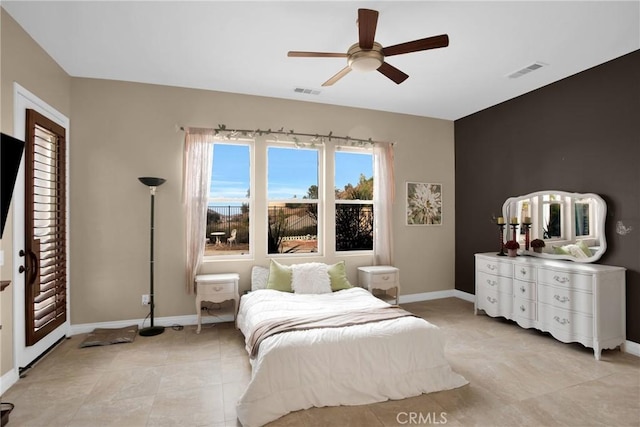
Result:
pixel 514 220
pixel 500 220
pixel 527 220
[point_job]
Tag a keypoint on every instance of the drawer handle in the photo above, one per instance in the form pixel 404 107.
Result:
pixel 522 289
pixel 561 279
pixel 522 308
pixel 561 299
pixel 492 300
pixel 492 282
pixel 562 322
pixel 523 272
pixel 385 277
pixel 218 288
pixel 491 267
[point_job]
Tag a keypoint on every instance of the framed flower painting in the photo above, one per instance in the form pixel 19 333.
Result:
pixel 424 203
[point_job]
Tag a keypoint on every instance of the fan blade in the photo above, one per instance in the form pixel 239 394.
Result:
pixel 340 74
pixel 297 54
pixel 393 73
pixel 367 22
pixel 417 45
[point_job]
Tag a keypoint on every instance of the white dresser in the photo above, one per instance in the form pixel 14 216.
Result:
pixel 574 302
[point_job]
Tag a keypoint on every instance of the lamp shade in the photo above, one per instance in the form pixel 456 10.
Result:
pixel 151 181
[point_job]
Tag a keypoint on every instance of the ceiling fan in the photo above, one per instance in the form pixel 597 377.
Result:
pixel 367 55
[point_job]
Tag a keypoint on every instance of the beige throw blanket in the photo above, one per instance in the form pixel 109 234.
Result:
pixel 271 327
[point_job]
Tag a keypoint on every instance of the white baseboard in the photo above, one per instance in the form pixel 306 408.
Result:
pixel 426 296
pixel 632 348
pixel 8 379
pixel 464 295
pixel 168 322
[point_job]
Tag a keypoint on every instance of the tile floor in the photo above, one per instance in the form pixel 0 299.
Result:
pixel 517 377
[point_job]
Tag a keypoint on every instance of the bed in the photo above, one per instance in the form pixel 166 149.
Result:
pixel 353 365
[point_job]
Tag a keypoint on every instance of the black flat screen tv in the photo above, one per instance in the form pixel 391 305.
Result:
pixel 11 150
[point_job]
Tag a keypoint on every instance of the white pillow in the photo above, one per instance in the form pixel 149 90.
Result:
pixel 259 277
pixel 310 278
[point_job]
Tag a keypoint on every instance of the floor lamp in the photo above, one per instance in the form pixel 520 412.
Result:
pixel 152 183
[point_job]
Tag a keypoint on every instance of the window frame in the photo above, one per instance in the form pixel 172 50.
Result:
pixel 250 200
pixel 357 150
pixel 320 235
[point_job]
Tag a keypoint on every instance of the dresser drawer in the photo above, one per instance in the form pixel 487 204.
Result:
pixel 524 308
pixel 525 290
pixel 495 303
pixel 497 283
pixel 569 280
pixel 565 325
pixel 567 299
pixel 494 267
pixel 524 272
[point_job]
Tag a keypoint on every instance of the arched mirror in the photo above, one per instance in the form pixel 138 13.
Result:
pixel 569 225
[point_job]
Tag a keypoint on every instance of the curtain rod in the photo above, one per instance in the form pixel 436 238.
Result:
pixel 315 137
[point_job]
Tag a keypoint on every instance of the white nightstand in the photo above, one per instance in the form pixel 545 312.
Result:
pixel 216 288
pixel 382 277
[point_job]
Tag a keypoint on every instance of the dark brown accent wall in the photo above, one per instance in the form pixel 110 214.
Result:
pixel 579 134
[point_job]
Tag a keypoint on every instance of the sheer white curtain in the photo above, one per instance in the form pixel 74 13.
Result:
pixel 197 161
pixel 383 198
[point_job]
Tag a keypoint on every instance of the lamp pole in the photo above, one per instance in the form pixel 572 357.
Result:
pixel 152 183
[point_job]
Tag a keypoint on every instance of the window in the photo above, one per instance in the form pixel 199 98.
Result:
pixel 552 216
pixel 293 196
pixel 354 200
pixel 290 219
pixel 583 214
pixel 228 219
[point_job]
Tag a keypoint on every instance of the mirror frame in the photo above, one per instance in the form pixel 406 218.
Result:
pixel 600 212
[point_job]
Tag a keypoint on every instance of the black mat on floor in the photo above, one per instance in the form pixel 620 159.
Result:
pixel 104 336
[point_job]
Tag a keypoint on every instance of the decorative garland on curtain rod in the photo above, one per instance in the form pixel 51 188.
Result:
pixel 314 138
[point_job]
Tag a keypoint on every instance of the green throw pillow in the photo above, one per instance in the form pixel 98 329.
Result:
pixel 279 277
pixel 560 250
pixel 338 275
pixel 584 247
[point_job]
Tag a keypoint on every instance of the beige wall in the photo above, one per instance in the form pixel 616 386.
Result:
pixel 120 131
pixel 24 62
pixel 125 130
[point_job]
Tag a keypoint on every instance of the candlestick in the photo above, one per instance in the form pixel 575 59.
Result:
pixel 500 220
pixel 514 236
pixel 527 220
pixel 527 227
pixel 501 233
pixel 514 220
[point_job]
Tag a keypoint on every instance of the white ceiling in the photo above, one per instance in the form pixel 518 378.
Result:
pixel 242 46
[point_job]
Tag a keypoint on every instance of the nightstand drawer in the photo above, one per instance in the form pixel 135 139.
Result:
pixel 384 280
pixel 217 288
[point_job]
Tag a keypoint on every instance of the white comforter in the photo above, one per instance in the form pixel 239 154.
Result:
pixel 355 365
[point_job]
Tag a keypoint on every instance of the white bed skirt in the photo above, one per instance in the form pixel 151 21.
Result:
pixel 355 365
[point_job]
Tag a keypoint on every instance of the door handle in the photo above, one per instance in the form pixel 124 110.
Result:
pixel 32 266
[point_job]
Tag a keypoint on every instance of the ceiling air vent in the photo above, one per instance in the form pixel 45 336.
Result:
pixel 526 70
pixel 306 91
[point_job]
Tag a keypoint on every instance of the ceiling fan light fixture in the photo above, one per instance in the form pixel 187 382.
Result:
pixel 365 64
pixel 365 60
